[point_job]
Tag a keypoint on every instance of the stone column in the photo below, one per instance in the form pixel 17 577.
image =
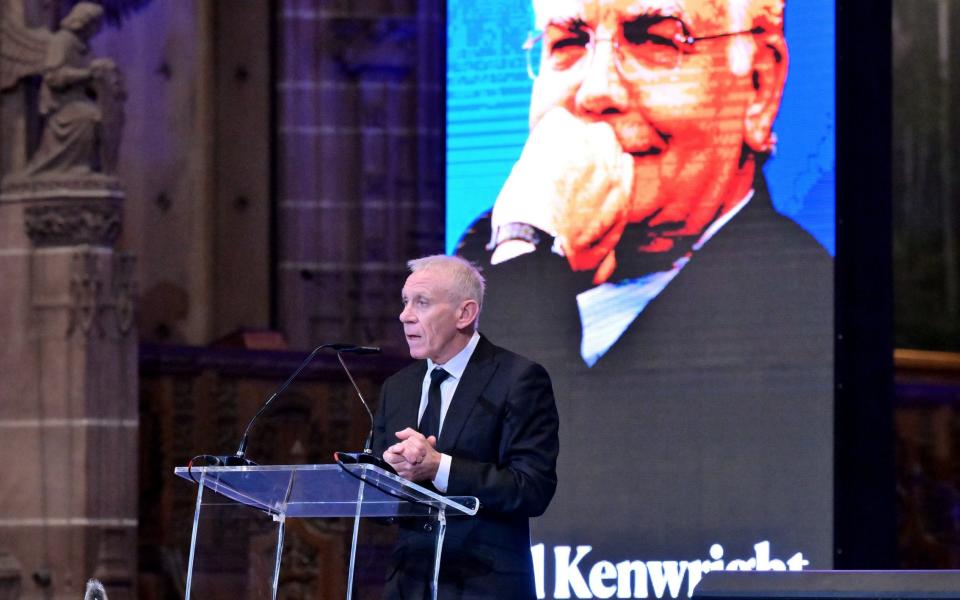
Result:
pixel 68 394
pixel 68 354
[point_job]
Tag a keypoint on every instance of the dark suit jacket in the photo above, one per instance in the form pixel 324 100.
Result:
pixel 502 431
pixel 724 380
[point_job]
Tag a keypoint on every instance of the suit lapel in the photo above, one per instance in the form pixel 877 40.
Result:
pixel 411 391
pixel 475 377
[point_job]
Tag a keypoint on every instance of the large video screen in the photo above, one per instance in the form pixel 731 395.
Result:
pixel 648 186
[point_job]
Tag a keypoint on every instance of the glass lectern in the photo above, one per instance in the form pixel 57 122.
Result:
pixel 266 496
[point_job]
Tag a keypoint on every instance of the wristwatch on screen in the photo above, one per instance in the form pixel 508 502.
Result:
pixel 513 231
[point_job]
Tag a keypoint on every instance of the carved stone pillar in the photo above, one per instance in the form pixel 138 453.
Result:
pixel 68 349
pixel 68 399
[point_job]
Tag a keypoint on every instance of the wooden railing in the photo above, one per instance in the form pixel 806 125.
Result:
pixel 927 434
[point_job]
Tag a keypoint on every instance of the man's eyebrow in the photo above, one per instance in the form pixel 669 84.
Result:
pixel 644 21
pixel 571 24
pixel 648 18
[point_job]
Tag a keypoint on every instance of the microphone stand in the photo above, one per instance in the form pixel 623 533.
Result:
pixel 366 456
pixel 240 459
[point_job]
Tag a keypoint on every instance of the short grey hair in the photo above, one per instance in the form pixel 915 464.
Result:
pixel 467 282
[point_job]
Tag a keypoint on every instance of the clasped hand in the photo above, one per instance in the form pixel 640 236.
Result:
pixel 414 457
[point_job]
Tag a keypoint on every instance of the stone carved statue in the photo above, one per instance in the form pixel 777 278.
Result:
pixel 81 97
pixel 67 186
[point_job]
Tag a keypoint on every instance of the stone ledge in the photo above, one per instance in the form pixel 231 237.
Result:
pixel 93 186
pixel 163 359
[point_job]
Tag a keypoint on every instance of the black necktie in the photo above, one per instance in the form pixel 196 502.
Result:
pixel 430 422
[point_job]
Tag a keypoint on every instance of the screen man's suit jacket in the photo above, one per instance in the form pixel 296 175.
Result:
pixel 502 431
pixel 725 377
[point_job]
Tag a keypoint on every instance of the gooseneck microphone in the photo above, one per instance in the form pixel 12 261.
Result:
pixel 240 457
pixel 366 456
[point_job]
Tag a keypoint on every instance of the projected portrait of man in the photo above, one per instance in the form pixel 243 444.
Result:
pixel 648 123
pixel 635 251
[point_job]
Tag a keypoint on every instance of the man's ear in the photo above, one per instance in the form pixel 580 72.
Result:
pixel 769 74
pixel 467 313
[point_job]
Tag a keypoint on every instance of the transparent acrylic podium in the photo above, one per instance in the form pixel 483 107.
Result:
pixel 262 498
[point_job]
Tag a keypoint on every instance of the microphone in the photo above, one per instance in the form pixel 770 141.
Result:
pixel 366 456
pixel 362 350
pixel 239 458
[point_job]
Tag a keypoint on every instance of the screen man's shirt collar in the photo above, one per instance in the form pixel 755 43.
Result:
pixel 607 310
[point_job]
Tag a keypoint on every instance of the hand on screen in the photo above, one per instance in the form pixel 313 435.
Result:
pixel 574 181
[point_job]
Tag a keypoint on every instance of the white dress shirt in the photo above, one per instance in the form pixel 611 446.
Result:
pixel 607 310
pixel 455 367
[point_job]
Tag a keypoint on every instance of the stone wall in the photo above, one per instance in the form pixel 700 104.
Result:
pixel 196 156
pixel 359 162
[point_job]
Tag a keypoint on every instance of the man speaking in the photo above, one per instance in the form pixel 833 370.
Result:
pixel 469 419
